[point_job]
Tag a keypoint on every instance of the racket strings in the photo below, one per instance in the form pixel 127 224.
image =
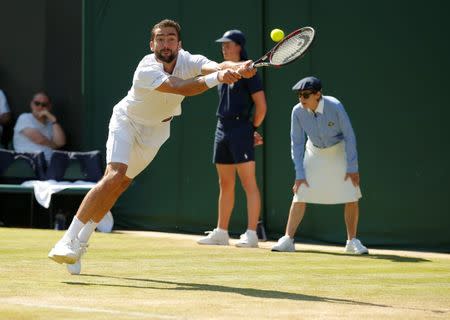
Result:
pixel 292 48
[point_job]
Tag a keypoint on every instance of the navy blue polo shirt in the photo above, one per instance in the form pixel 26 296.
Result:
pixel 233 141
pixel 235 100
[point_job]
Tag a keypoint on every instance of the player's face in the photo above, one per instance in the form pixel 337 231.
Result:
pixel 231 51
pixel 165 44
pixel 309 99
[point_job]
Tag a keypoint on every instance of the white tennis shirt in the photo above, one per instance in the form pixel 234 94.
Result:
pixel 147 106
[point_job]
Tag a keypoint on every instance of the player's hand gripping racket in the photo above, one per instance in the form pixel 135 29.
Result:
pixel 292 47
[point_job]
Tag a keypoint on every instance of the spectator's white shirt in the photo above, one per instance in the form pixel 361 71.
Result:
pixel 4 107
pixel 23 144
pixel 145 105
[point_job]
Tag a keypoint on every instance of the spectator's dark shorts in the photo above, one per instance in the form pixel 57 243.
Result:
pixel 233 141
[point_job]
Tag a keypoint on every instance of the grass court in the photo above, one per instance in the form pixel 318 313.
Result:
pixel 148 275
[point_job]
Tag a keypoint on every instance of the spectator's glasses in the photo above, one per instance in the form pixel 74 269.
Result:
pixel 39 103
pixel 305 94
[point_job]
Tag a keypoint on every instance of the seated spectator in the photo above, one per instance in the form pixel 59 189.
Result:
pixel 39 130
pixel 5 114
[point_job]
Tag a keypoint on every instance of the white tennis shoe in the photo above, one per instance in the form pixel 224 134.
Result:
pixel 355 246
pixel 66 251
pixel 216 237
pixel 248 240
pixel 76 267
pixel 284 244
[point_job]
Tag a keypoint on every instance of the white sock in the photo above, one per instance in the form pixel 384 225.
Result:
pixel 86 232
pixel 74 229
pixel 222 230
pixel 251 231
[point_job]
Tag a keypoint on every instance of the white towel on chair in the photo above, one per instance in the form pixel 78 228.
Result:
pixel 43 190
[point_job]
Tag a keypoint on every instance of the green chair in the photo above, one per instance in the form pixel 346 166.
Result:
pixel 73 172
pixel 18 171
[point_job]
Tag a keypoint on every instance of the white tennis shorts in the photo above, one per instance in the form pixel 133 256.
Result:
pixel 325 171
pixel 133 144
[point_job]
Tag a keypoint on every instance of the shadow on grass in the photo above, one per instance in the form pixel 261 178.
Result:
pixel 392 257
pixel 258 293
pixel 173 285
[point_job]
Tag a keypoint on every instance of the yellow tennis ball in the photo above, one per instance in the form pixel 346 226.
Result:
pixel 277 35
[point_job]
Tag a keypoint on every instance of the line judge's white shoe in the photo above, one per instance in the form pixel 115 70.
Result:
pixel 284 244
pixel 65 251
pixel 249 239
pixel 355 246
pixel 216 237
pixel 76 267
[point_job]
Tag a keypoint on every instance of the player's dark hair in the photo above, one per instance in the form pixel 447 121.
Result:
pixel 164 24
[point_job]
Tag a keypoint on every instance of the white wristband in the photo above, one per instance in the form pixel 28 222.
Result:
pixel 211 80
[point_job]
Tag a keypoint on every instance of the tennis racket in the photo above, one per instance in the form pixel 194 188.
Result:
pixel 292 47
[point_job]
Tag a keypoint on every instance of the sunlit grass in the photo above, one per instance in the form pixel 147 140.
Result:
pixel 130 276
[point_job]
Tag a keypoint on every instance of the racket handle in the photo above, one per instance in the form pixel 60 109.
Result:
pixel 260 64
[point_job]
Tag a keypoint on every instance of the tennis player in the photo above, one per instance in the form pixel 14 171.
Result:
pixel 326 169
pixel 140 124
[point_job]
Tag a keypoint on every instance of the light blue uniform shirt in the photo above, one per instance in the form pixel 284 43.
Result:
pixel 326 127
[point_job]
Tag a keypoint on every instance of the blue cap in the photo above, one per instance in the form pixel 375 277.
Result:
pixel 308 83
pixel 235 36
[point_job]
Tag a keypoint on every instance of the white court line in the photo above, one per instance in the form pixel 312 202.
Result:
pixel 87 309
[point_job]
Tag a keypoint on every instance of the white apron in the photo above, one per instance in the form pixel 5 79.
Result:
pixel 325 171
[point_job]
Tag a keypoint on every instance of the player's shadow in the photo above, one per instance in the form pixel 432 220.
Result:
pixel 189 286
pixel 258 293
pixel 391 257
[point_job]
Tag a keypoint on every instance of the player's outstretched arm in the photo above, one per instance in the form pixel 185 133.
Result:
pixel 194 86
pixel 244 68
